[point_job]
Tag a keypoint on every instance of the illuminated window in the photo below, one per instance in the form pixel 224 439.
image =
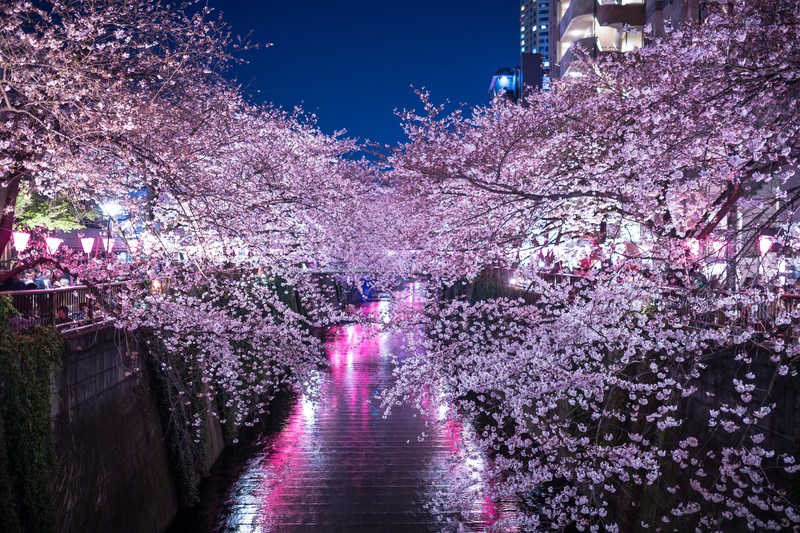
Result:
pixel 543 27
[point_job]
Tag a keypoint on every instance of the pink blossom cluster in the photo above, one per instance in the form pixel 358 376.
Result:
pixel 631 394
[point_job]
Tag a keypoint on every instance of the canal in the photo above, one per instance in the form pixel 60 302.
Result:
pixel 334 463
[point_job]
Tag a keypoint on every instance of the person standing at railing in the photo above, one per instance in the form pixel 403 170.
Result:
pixel 28 280
pixel 43 280
pixel 62 314
pixel 60 279
pixel 86 311
pixel 14 283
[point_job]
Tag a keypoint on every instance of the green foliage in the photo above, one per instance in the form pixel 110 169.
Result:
pixel 490 284
pixel 61 213
pixel 9 512
pixel 169 374
pixel 27 457
pixel 7 311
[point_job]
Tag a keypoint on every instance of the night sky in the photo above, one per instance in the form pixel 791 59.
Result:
pixel 353 62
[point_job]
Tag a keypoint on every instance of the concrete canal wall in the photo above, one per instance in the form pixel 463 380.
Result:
pixel 114 471
pixel 114 466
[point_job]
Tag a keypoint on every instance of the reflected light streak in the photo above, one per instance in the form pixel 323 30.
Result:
pixel 337 446
pixel 309 410
pixel 384 311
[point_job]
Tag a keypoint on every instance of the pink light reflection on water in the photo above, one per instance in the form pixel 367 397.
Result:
pixel 338 462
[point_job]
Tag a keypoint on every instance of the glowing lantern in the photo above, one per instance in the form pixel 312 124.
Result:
pixel 21 240
pixel 765 242
pixel 109 244
pixel 53 243
pixel 87 243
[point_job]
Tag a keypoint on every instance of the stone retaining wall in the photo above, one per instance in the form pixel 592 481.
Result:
pixel 114 470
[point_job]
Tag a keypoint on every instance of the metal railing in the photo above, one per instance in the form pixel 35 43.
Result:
pixel 69 307
pixel 761 311
pixel 63 307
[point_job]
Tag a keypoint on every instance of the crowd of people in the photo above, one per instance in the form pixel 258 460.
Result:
pixel 85 312
pixel 37 278
pixel 60 308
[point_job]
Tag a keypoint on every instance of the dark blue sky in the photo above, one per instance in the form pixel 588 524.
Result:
pixel 353 62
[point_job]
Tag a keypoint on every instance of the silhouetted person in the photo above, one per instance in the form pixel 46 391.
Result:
pixel 86 311
pixel 14 283
pixel 62 314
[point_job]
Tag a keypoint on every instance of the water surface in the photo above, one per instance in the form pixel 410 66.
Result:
pixel 334 463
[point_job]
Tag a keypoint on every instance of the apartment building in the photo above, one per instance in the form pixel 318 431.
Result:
pixel 609 26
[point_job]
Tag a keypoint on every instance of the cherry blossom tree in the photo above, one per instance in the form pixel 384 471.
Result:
pixel 78 80
pixel 590 394
pixel 223 200
pixel 671 137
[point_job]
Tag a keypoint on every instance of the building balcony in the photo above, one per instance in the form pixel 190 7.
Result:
pixel 578 17
pixel 587 43
pixel 618 15
pixel 581 15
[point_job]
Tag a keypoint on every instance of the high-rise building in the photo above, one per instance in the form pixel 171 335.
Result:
pixel 534 28
pixel 606 26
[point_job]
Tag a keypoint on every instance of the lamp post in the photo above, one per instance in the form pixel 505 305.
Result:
pixel 111 210
pixel 507 81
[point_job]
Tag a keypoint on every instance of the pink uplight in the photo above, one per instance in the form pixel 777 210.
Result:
pixel 765 242
pixel 53 243
pixel 21 240
pixel 88 244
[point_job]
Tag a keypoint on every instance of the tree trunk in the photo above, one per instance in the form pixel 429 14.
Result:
pixel 732 248
pixel 8 201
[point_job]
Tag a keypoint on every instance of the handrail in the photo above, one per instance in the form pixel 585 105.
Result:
pixel 63 307
pixel 757 313
pixel 38 307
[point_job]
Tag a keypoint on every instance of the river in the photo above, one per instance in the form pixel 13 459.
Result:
pixel 334 463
